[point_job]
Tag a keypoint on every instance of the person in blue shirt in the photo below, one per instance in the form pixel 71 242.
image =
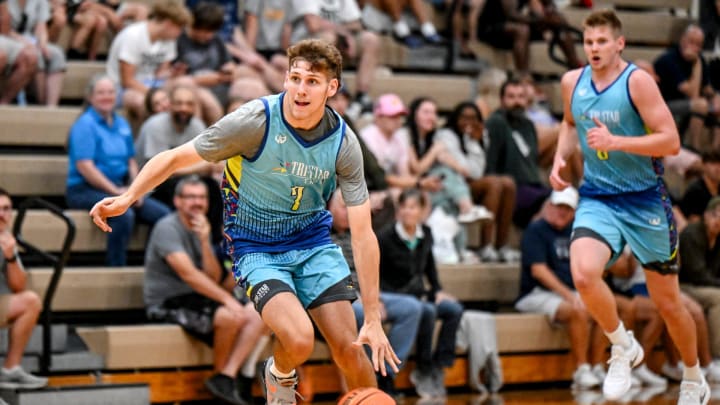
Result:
pixel 102 163
pixel 285 153
pixel 615 113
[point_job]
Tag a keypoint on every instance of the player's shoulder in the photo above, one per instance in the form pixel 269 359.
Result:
pixel 571 77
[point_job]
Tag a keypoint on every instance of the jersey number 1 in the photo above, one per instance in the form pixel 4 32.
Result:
pixel 297 192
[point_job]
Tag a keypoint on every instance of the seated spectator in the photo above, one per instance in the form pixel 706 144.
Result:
pixel 628 278
pixel 339 23
pixel 206 60
pixel 406 265
pixel 700 267
pixel 699 192
pixel 466 140
pixel 685 86
pixel 29 26
pixel 514 150
pixel 90 22
pixel 501 26
pixel 168 130
pixel 19 307
pixel 545 18
pixel 388 15
pixel 390 146
pixel 18 61
pixel 102 163
pixel 140 55
pixel 157 100
pixel 465 17
pixel 58 20
pixel 547 286
pixel 262 44
pixel 710 23
pixel 401 311
pixel 428 157
pixel 185 284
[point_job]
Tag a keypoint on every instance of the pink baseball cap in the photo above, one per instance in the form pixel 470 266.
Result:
pixel 390 105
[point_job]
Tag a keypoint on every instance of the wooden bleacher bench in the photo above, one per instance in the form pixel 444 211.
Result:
pixel 45 231
pixel 21 126
pixel 33 174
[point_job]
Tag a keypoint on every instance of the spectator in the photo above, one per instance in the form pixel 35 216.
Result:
pixel 18 58
pixel 502 27
pixel 90 25
pixel 700 261
pixel 466 140
pixel 29 26
pixel 547 286
pixel 514 150
pixel 545 18
pixel 204 57
pixel 701 190
pixel 401 311
pixel 267 34
pixel 379 15
pixel 428 157
pixel 406 264
pixel 390 146
pixel 710 23
pixel 157 100
pixel 685 86
pixel 339 22
pixel 19 307
pixel 58 19
pixel 185 284
pixel 102 163
pixel 140 54
pixel 168 130
pixel 470 10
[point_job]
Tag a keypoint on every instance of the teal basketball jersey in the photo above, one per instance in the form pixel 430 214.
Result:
pixel 613 172
pixel 276 200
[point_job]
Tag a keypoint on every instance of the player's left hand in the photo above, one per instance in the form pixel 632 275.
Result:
pixel 373 335
pixel 599 138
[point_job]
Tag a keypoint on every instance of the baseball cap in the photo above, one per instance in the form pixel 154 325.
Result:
pixel 568 197
pixel 390 105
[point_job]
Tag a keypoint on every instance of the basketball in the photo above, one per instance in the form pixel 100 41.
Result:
pixel 366 396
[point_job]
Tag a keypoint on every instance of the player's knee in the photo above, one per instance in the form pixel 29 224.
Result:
pixel 299 344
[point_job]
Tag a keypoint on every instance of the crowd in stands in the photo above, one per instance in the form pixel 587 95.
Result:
pixel 173 69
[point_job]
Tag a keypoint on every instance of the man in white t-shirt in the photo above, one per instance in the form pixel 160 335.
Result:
pixel 141 54
pixel 338 21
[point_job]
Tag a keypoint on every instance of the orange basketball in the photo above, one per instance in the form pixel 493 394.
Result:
pixel 366 396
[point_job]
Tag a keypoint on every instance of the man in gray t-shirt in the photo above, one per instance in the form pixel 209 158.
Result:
pixel 185 284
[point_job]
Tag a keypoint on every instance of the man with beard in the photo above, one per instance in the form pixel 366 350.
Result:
pixel 514 150
pixel 167 130
pixel 185 284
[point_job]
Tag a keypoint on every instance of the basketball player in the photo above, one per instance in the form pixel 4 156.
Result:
pixel 616 112
pixel 284 153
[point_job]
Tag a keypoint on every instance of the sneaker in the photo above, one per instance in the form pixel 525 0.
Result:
pixel 476 213
pixel 674 373
pixel 423 382
pixel 16 377
pixel 712 372
pixel 693 393
pixel 278 391
pixel 438 378
pixel 647 377
pixel 223 387
pixel 489 254
pixel 599 371
pixel 434 39
pixel 584 378
pixel 509 255
pixel 469 257
pixel 619 378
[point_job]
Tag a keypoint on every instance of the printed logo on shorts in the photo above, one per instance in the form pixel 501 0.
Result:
pixel 655 221
pixel 260 292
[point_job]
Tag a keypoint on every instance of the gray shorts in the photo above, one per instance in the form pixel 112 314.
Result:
pixel 11 48
pixel 540 300
pixel 56 62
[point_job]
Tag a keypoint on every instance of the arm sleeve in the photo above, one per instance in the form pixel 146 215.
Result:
pixel 350 171
pixel 237 134
pixel 82 142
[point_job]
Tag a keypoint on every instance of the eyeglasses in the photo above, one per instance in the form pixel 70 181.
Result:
pixel 193 196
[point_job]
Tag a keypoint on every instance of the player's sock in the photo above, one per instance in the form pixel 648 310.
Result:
pixel 619 337
pixel 279 374
pixel 693 373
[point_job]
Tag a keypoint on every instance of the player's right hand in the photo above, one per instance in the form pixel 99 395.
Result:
pixel 556 180
pixel 109 207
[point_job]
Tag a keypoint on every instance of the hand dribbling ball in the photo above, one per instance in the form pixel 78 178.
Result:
pixel 366 396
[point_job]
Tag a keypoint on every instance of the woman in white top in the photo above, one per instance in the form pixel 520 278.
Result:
pixel 466 140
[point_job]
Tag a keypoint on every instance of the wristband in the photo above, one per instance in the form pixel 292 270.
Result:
pixel 13 259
